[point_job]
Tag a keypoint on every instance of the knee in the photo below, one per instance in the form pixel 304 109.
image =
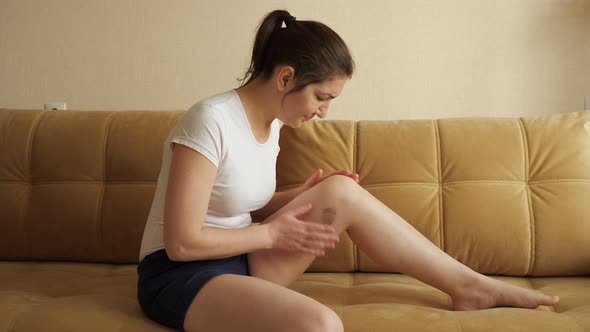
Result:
pixel 322 320
pixel 339 186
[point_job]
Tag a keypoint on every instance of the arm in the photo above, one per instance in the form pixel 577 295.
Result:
pixel 278 200
pixel 215 243
pixel 188 193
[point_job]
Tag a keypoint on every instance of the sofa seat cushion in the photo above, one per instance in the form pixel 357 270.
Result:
pixel 69 296
pixel 388 302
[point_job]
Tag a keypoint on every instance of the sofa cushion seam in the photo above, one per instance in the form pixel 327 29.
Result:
pixel 529 198
pixel 440 188
pixel 101 197
pixel 28 247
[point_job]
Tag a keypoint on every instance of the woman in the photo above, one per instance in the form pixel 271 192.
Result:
pixel 203 269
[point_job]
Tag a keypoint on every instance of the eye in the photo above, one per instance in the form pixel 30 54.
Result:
pixel 320 99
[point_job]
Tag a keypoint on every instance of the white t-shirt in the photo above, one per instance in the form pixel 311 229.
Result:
pixel 217 127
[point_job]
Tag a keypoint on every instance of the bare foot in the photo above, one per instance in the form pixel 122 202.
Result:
pixel 488 293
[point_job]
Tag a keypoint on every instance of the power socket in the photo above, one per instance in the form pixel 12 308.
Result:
pixel 55 106
pixel 587 103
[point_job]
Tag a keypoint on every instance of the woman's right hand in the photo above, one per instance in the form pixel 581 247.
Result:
pixel 289 231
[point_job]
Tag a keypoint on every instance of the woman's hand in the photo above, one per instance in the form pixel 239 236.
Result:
pixel 289 231
pixel 317 178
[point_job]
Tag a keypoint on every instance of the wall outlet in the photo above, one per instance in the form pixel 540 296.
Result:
pixel 587 103
pixel 55 106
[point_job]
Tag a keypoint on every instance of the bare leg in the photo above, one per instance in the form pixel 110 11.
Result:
pixel 256 305
pixel 391 241
pixel 413 254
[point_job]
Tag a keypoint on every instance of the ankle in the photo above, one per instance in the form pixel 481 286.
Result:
pixel 467 285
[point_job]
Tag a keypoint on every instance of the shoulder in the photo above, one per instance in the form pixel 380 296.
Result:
pixel 211 109
pixel 203 114
pixel 218 102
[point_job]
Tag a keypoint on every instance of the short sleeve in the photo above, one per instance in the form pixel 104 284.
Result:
pixel 201 129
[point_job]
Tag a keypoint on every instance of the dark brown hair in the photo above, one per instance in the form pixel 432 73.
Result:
pixel 314 50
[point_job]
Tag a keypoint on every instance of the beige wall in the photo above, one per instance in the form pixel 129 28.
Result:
pixel 416 59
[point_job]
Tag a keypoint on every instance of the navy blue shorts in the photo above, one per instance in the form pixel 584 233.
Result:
pixel 166 289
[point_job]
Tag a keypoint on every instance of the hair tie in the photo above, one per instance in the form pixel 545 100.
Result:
pixel 289 19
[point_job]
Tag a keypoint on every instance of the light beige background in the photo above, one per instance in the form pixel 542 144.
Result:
pixel 415 58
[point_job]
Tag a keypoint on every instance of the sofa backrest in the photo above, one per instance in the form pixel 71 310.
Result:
pixel 78 185
pixel 502 195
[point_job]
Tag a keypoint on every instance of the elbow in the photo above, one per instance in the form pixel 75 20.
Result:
pixel 180 248
pixel 174 252
pixel 179 251
pixel 174 249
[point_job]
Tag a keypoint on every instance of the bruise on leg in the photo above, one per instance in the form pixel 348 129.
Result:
pixel 328 215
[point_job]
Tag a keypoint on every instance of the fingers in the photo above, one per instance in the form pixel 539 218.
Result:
pixel 313 238
pixel 319 237
pixel 302 210
pixel 308 248
pixel 317 176
pixel 314 248
pixel 351 175
pixel 321 232
pixel 315 242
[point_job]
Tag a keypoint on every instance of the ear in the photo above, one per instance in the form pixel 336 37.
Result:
pixel 285 78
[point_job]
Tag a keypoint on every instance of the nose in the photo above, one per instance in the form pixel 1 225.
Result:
pixel 322 112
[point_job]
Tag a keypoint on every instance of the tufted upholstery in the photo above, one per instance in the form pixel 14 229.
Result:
pixel 505 196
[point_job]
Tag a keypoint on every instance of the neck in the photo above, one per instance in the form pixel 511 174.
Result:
pixel 260 109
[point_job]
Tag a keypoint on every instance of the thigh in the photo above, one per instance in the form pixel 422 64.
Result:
pixel 330 199
pixel 237 303
pixel 166 288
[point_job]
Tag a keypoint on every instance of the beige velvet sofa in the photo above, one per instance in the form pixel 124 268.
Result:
pixel 509 197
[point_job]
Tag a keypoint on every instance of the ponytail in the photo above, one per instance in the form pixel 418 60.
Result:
pixel 314 50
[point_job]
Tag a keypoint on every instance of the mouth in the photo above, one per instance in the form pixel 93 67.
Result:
pixel 307 118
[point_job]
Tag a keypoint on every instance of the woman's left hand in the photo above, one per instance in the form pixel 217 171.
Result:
pixel 317 178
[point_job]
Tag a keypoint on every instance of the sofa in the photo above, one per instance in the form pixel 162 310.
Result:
pixel 508 197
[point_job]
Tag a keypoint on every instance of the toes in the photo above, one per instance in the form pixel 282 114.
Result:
pixel 535 299
pixel 548 300
pixel 551 300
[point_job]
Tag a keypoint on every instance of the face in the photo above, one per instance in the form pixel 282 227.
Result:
pixel 313 100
